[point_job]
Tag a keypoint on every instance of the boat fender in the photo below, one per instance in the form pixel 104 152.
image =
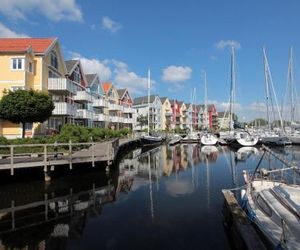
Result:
pixel 243 193
pixel 244 199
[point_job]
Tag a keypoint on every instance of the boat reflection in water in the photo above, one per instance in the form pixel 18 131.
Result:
pixel 160 198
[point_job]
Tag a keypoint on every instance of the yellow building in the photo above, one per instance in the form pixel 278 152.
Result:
pixel 27 63
pixel 166 114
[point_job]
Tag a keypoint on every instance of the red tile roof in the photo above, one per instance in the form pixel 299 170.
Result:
pixel 38 45
pixel 106 86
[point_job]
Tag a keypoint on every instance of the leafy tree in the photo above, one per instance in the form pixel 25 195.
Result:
pixel 259 122
pixel 23 106
pixel 142 120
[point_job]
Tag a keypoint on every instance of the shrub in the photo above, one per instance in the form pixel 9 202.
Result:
pixel 74 133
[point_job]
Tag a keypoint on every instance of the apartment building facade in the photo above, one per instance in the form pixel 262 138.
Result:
pixel 38 64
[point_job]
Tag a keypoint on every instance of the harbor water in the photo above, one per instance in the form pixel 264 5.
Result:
pixel 164 198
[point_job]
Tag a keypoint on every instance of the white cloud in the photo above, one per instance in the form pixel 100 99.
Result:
pixel 109 24
pixel 55 10
pixel 176 74
pixel 123 78
pixel 7 32
pixel 94 66
pixel 115 71
pixel 228 43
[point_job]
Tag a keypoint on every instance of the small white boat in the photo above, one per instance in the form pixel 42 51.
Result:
pixel 245 139
pixel 209 139
pixel 192 137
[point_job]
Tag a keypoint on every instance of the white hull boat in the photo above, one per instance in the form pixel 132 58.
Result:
pixel 245 139
pixel 275 208
pixel 209 139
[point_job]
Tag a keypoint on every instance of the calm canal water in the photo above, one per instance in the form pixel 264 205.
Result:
pixel 166 198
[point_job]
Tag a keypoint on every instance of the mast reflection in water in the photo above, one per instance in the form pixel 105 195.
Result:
pixel 166 198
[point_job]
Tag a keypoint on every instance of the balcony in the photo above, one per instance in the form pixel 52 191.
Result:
pixel 128 120
pixel 63 108
pixel 113 106
pixel 168 113
pixel 128 110
pixel 98 103
pixel 116 119
pixel 83 97
pixel 100 118
pixel 61 86
pixel 84 114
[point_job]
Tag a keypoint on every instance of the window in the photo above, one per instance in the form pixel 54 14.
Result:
pixel 17 63
pixel 54 61
pixel 30 67
pixel 76 74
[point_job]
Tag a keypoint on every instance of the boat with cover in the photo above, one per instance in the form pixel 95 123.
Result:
pixel 175 140
pixel 273 205
pixel 150 140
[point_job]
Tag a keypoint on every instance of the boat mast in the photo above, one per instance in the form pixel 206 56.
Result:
pixel 266 87
pixel 205 99
pixel 148 101
pixel 232 87
pixel 291 84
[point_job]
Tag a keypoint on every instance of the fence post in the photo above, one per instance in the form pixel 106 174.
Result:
pixel 45 155
pixel 11 160
pixel 70 154
pixel 46 207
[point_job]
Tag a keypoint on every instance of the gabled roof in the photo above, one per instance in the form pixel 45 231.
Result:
pixel 106 87
pixel 70 65
pixel 90 78
pixel 121 92
pixel 163 99
pixel 38 45
pixel 143 100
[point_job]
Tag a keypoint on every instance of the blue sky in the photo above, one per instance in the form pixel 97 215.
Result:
pixel 177 39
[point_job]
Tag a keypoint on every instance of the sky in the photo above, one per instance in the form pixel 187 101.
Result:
pixel 176 39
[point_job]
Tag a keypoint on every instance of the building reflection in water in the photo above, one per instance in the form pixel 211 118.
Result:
pixel 38 216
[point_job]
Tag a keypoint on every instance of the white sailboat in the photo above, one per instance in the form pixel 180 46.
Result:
pixel 149 140
pixel 192 136
pixel 294 134
pixel 274 206
pixel 207 139
pixel 270 137
pixel 239 138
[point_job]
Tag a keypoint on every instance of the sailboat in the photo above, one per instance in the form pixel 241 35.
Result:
pixel 293 135
pixel 273 205
pixel 269 137
pixel 149 140
pixel 192 136
pixel 237 138
pixel 207 139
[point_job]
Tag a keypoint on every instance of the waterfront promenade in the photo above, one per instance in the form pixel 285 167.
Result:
pixel 104 153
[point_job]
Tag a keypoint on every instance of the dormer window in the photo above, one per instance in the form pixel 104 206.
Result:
pixel 76 74
pixel 54 61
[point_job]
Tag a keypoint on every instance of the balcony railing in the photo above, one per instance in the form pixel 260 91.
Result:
pixel 84 114
pixel 63 108
pixel 98 102
pixel 62 85
pixel 116 119
pixel 83 96
pixel 113 106
pixel 100 118
pixel 168 113
pixel 128 110
pixel 128 120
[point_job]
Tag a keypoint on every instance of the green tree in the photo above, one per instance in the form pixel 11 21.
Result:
pixel 142 120
pixel 23 106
